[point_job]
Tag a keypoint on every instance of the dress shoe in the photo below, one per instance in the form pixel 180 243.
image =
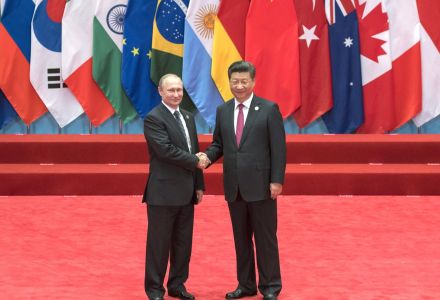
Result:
pixel 155 298
pixel 270 297
pixel 239 293
pixel 181 295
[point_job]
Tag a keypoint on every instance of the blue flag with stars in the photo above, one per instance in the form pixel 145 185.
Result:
pixel 7 113
pixel 136 55
pixel 348 111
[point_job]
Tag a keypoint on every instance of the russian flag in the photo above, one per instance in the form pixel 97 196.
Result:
pixel 15 41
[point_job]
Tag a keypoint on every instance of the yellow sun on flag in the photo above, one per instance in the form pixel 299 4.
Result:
pixel 204 20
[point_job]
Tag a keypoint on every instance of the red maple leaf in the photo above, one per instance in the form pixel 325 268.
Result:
pixel 370 25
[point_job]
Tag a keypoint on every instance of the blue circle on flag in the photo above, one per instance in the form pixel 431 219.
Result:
pixel 170 19
pixel 47 32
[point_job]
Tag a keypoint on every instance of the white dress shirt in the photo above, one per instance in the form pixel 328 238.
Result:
pixel 246 106
pixel 172 110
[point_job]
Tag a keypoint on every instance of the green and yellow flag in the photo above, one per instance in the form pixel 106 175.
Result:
pixel 167 42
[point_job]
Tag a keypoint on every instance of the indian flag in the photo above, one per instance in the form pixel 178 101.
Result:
pixel 108 27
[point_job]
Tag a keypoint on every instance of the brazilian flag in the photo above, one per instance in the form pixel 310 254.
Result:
pixel 167 42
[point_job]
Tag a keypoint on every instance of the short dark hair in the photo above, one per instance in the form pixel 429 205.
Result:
pixel 242 67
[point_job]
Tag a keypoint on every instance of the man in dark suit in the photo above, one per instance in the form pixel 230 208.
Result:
pixel 174 185
pixel 249 134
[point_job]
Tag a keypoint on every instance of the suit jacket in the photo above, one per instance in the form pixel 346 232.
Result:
pixel 173 177
pixel 260 159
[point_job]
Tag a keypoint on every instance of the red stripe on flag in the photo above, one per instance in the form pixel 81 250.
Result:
pixel 85 89
pixel 232 14
pixel 348 6
pixel 15 81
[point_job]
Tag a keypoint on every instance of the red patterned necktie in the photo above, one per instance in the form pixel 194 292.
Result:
pixel 240 124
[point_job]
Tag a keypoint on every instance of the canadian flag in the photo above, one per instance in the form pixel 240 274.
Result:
pixel 429 14
pixel 391 68
pixel 77 24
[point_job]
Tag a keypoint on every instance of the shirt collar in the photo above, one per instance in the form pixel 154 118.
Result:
pixel 246 103
pixel 172 110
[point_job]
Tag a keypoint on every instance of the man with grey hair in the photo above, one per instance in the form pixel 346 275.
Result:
pixel 174 185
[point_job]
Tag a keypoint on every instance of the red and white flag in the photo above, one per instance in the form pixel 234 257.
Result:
pixel 314 59
pixel 406 59
pixel 77 37
pixel 429 14
pixel 376 62
pixel 45 67
pixel 391 69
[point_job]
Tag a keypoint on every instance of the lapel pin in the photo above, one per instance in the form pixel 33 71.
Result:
pixel 187 117
pixel 257 108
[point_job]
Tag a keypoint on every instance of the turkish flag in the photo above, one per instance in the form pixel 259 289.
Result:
pixel 314 59
pixel 271 44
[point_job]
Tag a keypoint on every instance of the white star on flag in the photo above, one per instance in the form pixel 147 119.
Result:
pixel 348 42
pixel 309 35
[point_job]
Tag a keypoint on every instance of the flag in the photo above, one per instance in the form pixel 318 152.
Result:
pixel 406 61
pixel 272 46
pixel 136 55
pixel 108 27
pixel 15 41
pixel 7 112
pixel 376 63
pixel 429 14
pixel 314 59
pixel 347 113
pixel 167 42
pixel 45 69
pixel 76 49
pixel 199 31
pixel 228 44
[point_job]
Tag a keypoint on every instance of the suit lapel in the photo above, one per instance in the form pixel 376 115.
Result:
pixel 250 119
pixel 170 119
pixel 230 120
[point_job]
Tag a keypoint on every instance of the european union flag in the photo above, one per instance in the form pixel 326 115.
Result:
pixel 7 113
pixel 136 55
pixel 348 110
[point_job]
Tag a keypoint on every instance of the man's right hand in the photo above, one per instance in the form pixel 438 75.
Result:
pixel 203 160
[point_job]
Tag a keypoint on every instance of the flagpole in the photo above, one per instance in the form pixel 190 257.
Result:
pixel 120 126
pixel 28 129
pixel 59 129
pixel 90 127
pixel 419 129
pixel 300 130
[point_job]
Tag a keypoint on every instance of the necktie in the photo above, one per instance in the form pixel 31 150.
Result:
pixel 240 124
pixel 182 129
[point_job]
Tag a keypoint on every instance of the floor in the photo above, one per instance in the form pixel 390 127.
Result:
pixel 331 247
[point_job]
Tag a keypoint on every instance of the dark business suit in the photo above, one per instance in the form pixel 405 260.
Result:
pixel 170 194
pixel 248 169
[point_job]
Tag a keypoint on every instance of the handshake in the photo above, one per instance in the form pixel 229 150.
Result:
pixel 203 160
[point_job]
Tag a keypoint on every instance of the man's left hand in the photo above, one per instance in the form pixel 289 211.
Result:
pixel 275 190
pixel 199 194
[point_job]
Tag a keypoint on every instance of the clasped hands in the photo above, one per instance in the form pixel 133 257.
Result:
pixel 203 160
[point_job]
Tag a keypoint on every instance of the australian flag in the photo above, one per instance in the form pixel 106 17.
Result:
pixel 348 110
pixel 136 55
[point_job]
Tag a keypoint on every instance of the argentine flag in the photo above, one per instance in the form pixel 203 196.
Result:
pixel 197 58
